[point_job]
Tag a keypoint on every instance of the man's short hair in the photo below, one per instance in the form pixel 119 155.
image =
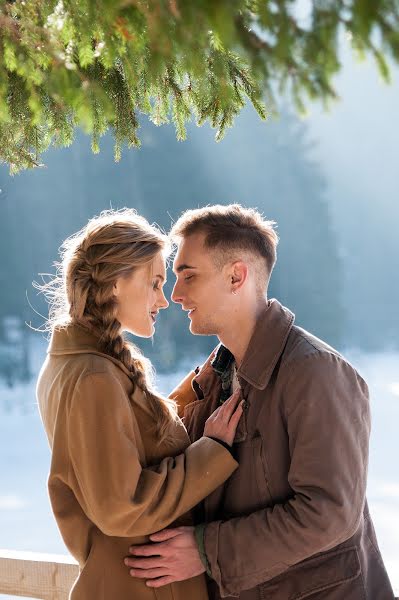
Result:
pixel 228 229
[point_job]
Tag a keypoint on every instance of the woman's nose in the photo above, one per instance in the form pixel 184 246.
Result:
pixel 164 302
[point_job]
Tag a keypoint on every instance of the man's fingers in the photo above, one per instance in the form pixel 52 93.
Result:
pixel 149 573
pixel 147 550
pixel 156 583
pixel 166 534
pixel 159 547
pixel 144 563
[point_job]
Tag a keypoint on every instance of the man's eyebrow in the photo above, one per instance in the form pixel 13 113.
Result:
pixel 183 267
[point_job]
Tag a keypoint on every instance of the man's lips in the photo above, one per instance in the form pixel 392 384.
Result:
pixel 190 311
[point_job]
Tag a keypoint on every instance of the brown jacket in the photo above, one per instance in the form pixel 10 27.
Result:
pixel 292 522
pixel 110 484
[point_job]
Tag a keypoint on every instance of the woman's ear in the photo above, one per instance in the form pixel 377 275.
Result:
pixel 116 288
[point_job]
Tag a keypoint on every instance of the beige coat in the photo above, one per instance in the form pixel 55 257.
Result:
pixel 110 484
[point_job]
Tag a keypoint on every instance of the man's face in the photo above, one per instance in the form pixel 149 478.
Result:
pixel 201 287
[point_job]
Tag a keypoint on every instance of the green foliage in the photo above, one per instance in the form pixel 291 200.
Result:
pixel 98 64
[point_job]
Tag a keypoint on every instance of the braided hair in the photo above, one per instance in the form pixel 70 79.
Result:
pixel 109 246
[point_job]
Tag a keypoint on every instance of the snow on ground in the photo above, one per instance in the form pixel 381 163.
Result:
pixel 26 522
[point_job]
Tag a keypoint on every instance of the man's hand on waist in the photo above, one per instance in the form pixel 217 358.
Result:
pixel 172 556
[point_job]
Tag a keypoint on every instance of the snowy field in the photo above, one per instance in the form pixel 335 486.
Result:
pixel 26 522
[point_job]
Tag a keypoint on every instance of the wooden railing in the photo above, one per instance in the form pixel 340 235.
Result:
pixel 33 575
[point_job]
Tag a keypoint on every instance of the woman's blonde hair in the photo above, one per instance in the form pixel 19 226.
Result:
pixel 110 246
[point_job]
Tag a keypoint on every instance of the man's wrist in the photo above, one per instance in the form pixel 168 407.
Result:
pixel 199 533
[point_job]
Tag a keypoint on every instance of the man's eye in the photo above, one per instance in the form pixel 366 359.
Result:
pixel 188 277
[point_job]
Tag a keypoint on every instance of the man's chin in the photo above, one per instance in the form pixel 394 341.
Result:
pixel 196 329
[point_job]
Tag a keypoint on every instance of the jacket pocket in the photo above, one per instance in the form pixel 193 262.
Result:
pixel 334 575
pixel 261 472
pixel 247 489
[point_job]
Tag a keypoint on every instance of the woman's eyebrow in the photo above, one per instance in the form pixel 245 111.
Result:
pixel 161 277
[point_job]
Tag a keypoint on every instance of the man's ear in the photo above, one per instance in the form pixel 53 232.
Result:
pixel 238 275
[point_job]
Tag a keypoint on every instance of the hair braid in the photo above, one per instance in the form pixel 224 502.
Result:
pixel 111 245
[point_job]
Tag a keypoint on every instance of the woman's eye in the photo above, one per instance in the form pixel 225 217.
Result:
pixel 155 285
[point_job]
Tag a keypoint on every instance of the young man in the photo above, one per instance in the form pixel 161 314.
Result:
pixel 292 522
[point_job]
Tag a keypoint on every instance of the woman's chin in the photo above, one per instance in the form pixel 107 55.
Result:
pixel 145 334
pixel 142 332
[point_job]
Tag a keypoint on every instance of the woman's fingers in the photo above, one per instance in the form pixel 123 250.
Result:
pixel 236 416
pixel 228 408
pixel 215 412
pixel 222 424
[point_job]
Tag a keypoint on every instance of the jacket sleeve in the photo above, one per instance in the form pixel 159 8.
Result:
pixel 117 494
pixel 325 405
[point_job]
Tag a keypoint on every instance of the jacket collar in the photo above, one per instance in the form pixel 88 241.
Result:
pixel 266 344
pixel 74 339
pixel 264 349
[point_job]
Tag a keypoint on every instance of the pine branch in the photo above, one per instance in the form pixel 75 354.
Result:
pixel 80 63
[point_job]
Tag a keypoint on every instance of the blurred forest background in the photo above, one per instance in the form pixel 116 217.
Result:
pixel 326 181
pixel 330 182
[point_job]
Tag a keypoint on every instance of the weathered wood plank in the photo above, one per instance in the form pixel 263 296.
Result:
pixel 35 575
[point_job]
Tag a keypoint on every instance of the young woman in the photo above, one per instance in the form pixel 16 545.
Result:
pixel 122 467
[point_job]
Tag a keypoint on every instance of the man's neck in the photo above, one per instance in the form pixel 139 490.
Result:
pixel 237 336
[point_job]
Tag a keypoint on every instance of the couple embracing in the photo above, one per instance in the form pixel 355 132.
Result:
pixel 247 482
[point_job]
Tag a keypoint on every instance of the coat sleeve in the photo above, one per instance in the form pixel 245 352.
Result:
pixel 325 404
pixel 183 394
pixel 117 494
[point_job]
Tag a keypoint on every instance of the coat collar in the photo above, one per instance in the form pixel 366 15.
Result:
pixel 74 339
pixel 264 349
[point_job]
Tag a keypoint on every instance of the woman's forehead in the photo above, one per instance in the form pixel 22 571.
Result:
pixel 158 266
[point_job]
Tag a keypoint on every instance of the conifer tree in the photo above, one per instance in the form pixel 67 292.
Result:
pixel 97 64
